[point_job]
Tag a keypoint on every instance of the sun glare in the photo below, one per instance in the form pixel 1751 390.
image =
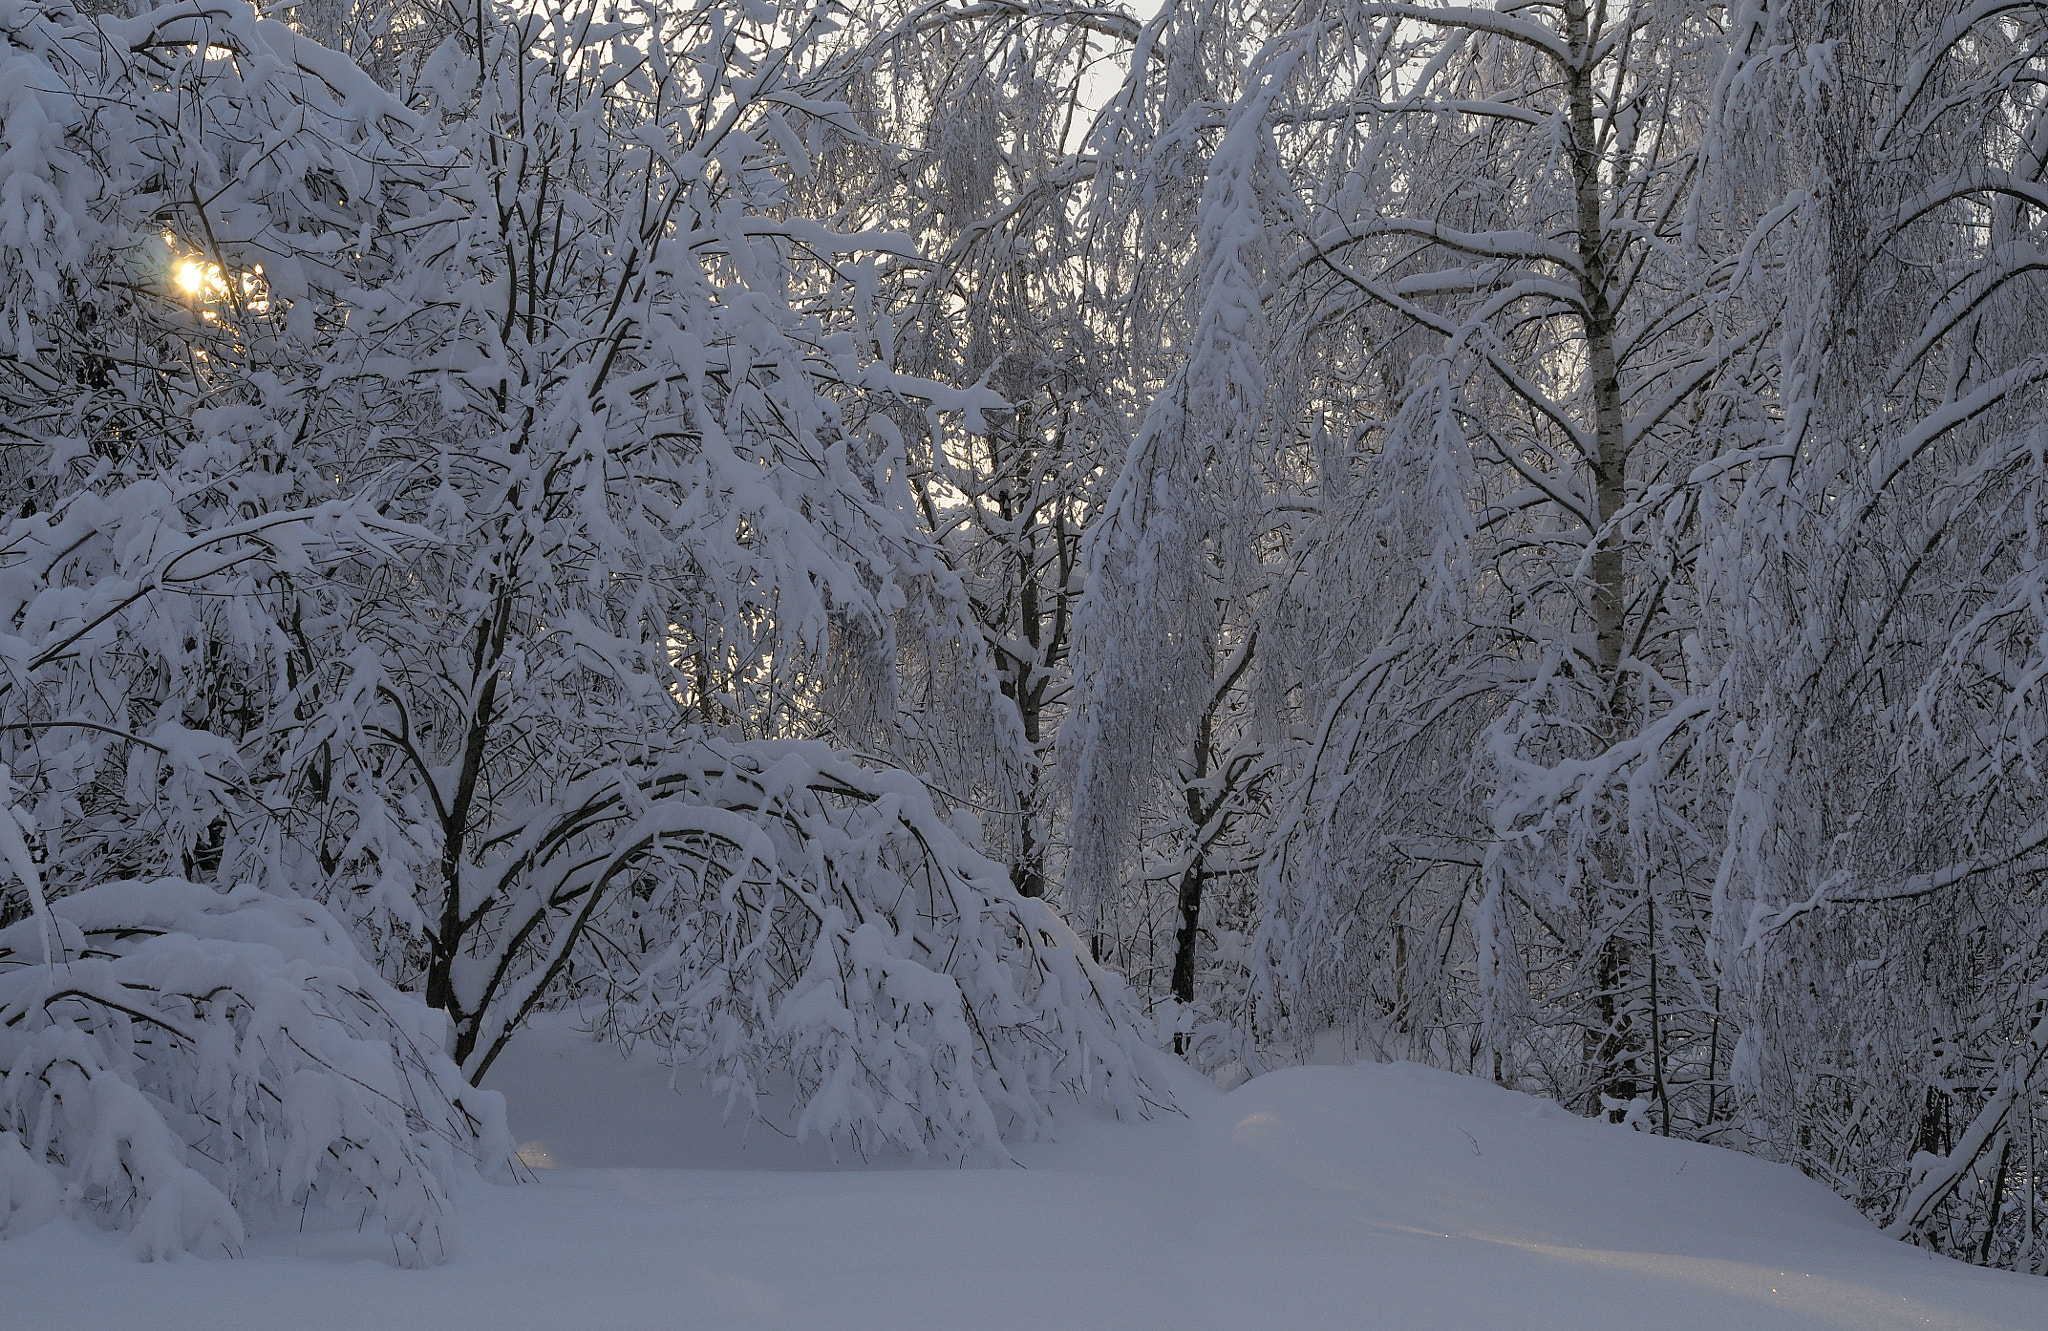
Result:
pixel 194 277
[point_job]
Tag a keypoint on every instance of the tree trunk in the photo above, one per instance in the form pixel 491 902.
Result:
pixel 1615 1045
pixel 446 941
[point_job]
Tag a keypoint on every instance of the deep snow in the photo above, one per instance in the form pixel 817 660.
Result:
pixel 1371 1196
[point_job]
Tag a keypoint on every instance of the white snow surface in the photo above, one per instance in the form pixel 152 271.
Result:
pixel 1366 1196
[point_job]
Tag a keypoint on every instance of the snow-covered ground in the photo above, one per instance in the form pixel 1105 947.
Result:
pixel 1318 1197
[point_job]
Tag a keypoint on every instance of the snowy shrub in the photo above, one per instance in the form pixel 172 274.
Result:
pixel 191 1063
pixel 809 914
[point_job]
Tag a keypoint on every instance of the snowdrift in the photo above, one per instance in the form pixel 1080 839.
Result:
pixel 1321 1197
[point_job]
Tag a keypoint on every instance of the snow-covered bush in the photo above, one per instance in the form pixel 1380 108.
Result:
pixel 804 913
pixel 191 1063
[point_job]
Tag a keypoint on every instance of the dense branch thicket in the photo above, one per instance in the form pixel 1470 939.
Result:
pixel 915 552
pixel 1620 427
pixel 461 486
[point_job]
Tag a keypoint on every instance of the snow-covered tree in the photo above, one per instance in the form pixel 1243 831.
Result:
pixel 1667 379
pixel 992 109
pixel 468 501
pixel 1168 759
pixel 1484 323
pixel 183 189
pixel 1878 900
